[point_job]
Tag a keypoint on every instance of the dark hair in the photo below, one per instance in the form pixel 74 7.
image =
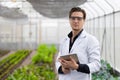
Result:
pixel 77 9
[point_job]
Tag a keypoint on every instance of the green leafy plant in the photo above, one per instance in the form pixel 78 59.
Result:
pixel 44 54
pixel 105 73
pixel 33 72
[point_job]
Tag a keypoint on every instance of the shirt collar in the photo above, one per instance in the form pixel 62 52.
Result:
pixel 70 34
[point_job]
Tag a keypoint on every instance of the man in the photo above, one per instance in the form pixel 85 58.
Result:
pixel 81 43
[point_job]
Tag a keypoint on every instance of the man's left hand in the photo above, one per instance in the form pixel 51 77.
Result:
pixel 69 64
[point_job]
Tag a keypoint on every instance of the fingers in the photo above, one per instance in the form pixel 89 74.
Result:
pixel 71 64
pixel 72 60
pixel 64 63
pixel 62 60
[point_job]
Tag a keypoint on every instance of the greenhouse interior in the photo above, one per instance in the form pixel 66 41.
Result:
pixel 31 32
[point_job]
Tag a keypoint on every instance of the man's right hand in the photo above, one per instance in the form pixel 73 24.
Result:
pixel 65 70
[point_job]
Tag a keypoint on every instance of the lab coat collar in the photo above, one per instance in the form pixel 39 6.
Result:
pixel 70 34
pixel 82 35
pixel 78 40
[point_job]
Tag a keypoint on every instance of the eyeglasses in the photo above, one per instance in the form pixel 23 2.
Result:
pixel 78 18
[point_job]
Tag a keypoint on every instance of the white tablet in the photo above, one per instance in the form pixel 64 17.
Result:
pixel 67 57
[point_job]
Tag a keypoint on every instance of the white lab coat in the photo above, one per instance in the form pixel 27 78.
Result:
pixel 87 49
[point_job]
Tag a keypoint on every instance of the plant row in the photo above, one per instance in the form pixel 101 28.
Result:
pixel 9 63
pixel 32 72
pixel 40 68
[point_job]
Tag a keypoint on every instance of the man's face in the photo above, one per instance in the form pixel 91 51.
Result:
pixel 76 21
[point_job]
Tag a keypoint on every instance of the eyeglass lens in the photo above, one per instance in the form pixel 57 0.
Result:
pixel 78 18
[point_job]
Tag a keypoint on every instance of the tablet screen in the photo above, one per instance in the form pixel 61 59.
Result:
pixel 67 57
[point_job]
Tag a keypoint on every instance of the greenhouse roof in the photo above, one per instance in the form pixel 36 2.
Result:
pixel 96 8
pixel 56 8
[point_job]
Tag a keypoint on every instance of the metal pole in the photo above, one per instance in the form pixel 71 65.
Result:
pixel 93 15
pixel 104 33
pixel 96 18
pixel 113 30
